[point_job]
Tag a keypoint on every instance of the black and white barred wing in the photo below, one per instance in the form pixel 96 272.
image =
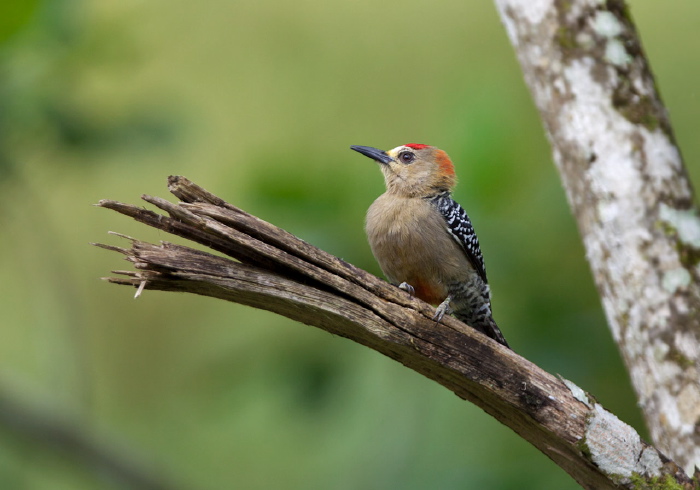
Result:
pixel 461 229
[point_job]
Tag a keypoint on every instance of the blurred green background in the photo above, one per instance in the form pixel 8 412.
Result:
pixel 258 102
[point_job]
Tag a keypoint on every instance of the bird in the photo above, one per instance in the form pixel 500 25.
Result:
pixel 423 239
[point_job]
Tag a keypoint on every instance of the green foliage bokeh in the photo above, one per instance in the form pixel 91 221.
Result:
pixel 258 102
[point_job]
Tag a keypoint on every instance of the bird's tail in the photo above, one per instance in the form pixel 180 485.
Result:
pixel 487 326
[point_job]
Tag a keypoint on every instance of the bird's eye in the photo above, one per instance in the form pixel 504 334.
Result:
pixel 406 157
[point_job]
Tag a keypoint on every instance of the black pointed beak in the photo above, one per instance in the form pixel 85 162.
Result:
pixel 373 153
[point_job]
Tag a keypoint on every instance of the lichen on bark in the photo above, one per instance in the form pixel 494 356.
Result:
pixel 625 182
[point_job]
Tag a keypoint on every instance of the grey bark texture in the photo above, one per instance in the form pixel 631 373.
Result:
pixel 277 271
pixel 630 193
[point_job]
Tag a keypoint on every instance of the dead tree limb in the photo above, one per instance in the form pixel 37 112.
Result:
pixel 630 193
pixel 277 271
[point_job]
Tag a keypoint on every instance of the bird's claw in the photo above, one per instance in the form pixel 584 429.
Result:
pixel 442 309
pixel 408 288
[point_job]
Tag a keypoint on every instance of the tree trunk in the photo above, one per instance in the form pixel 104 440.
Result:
pixel 630 193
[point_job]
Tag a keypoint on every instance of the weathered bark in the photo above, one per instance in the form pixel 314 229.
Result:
pixel 630 194
pixel 281 273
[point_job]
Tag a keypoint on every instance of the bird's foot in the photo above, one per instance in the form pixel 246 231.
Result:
pixel 442 309
pixel 408 288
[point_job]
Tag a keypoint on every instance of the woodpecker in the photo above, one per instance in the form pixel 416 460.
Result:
pixel 423 240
